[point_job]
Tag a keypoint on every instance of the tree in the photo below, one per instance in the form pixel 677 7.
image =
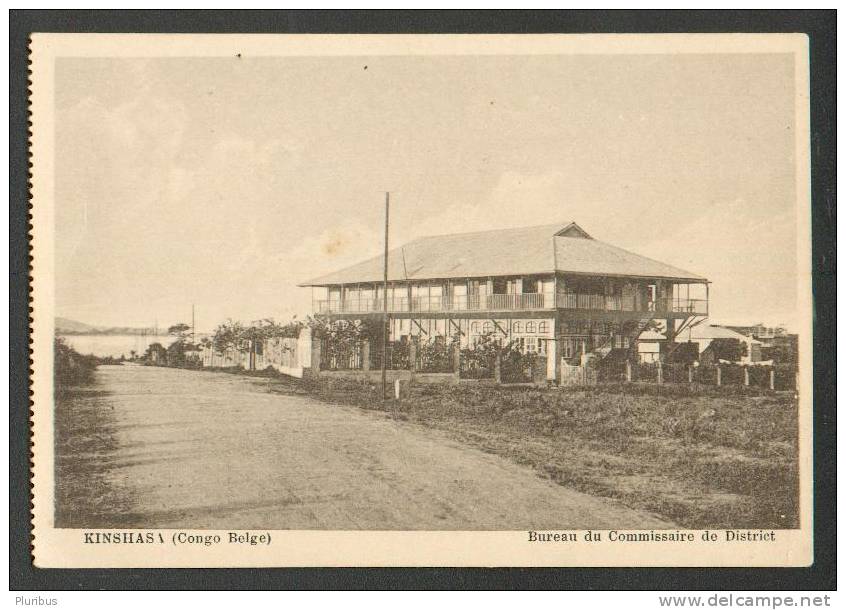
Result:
pixel 784 350
pixel 682 353
pixel 176 353
pixel 156 354
pixel 730 349
pixel 229 335
pixel 180 330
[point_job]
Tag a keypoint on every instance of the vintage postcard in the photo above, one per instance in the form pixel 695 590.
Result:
pixel 430 300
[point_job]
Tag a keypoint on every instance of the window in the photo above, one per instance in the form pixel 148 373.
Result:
pixel 543 328
pixel 436 293
pixel 487 327
pixel 530 327
pixel 517 327
pixel 474 328
pixel 459 296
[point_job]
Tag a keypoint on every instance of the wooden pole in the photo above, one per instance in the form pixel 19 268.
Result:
pixel 385 319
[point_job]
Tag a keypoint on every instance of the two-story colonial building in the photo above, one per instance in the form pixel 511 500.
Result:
pixel 553 288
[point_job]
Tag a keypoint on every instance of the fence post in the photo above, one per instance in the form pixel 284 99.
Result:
pixel 456 358
pixel 746 376
pixel 498 369
pixel 365 355
pixel 772 379
pixel 412 355
pixel 689 373
pixel 719 375
pixel 660 373
pixel 315 356
pixel 628 370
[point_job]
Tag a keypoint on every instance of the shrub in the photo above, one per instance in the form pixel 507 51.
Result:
pixel 478 361
pixel 434 356
pixel 70 368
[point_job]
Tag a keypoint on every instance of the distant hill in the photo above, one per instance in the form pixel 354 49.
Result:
pixel 64 326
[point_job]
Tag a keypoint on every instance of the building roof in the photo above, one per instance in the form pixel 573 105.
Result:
pixel 707 331
pixel 536 250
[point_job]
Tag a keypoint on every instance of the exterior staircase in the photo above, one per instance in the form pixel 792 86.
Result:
pixel 607 348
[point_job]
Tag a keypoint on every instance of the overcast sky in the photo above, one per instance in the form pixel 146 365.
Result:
pixel 224 182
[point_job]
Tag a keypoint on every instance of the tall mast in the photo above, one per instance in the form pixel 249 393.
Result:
pixel 385 320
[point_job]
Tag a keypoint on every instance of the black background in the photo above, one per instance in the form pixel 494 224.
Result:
pixel 820 26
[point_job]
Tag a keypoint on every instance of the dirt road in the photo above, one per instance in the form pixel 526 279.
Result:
pixel 154 447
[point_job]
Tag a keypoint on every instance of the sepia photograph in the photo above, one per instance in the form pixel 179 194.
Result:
pixel 552 287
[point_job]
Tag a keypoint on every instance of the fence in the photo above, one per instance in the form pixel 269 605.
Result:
pixel 397 352
pixel 222 359
pixel 287 355
pixel 336 356
pixel 779 377
pixel 577 375
pixel 435 356
pixel 516 367
pixel 477 364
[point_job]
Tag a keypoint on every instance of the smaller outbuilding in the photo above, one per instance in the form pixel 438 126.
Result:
pixel 720 343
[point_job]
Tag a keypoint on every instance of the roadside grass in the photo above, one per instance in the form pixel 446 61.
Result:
pixel 700 457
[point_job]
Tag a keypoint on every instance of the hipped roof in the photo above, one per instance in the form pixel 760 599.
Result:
pixel 539 250
pixel 707 331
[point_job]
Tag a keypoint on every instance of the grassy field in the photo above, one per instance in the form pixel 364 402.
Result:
pixel 706 458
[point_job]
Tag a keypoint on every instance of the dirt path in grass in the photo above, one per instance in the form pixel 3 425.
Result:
pixel 154 447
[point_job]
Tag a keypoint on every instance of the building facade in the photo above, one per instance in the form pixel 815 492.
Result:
pixel 553 290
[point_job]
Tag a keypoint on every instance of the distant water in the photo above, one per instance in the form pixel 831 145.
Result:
pixel 115 345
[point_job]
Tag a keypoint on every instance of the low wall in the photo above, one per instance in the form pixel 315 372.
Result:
pixel 372 376
pixel 391 376
pixel 436 378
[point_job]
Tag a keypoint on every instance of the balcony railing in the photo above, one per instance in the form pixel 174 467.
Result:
pixel 691 306
pixel 517 301
pixel 514 302
pixel 497 302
